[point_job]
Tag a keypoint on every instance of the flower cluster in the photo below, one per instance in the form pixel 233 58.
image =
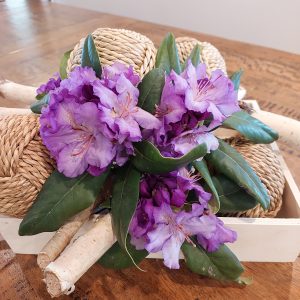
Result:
pixel 191 106
pixel 162 222
pixel 92 122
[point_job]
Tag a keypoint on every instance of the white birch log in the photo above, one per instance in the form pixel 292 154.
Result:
pixel 62 274
pixel 12 91
pixel 7 111
pixel 61 239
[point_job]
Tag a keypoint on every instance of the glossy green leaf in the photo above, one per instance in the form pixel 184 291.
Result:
pixel 149 159
pixel 229 162
pixel 90 57
pixel 63 65
pixel 202 168
pixel 194 57
pixel 236 79
pixel 233 198
pixel 150 89
pixel 60 199
pixel 37 106
pixel 221 264
pixel 253 129
pixel 125 197
pixel 117 258
pixel 167 57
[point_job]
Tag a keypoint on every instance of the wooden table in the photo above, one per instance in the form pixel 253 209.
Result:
pixel 33 36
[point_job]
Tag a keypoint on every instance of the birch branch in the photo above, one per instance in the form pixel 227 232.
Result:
pixel 12 91
pixel 62 274
pixel 7 111
pixel 61 239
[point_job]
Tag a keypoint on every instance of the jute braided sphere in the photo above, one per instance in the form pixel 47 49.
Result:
pixel 128 47
pixel 267 166
pixel 25 163
pixel 209 54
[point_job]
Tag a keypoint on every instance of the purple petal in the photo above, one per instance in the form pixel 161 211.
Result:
pixel 107 97
pixel 157 238
pixel 145 119
pixel 171 250
pixel 69 164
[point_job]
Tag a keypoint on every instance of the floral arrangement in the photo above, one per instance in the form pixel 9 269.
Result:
pixel 148 147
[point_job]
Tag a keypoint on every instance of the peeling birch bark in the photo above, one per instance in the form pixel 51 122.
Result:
pixel 12 91
pixel 61 239
pixel 62 274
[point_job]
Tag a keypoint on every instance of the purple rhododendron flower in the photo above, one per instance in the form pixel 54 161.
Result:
pixel 215 94
pixel 172 229
pixel 191 106
pixel 52 84
pixel 157 227
pixel 80 83
pixel 92 122
pixel 120 111
pixel 220 236
pixel 76 138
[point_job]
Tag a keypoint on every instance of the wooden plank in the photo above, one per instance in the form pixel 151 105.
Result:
pixel 13 284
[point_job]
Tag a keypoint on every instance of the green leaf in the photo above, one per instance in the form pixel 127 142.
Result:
pixel 90 57
pixel 40 96
pixel 236 79
pixel 221 264
pixel 150 89
pixel 202 168
pixel 233 198
pixel 117 258
pixel 37 106
pixel 167 57
pixel 125 197
pixel 149 159
pixel 229 162
pixel 253 129
pixel 63 65
pixel 194 57
pixel 60 199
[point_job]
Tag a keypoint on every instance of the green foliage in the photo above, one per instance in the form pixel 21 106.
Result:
pixel 117 258
pixel 253 129
pixel 201 167
pixel 63 65
pixel 229 162
pixel 150 89
pixel 194 57
pixel 42 101
pixel 236 79
pixel 90 57
pixel 149 159
pixel 233 198
pixel 60 199
pixel 125 197
pixel 167 57
pixel 221 264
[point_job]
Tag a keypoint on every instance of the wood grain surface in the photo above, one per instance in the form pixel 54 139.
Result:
pixel 33 36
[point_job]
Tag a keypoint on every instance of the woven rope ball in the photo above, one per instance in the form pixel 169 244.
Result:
pixel 129 47
pixel 25 162
pixel 209 54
